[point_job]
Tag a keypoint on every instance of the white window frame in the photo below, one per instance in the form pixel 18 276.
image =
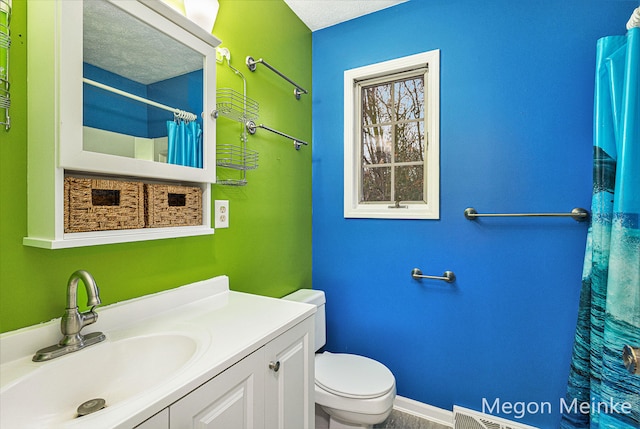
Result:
pixel 353 208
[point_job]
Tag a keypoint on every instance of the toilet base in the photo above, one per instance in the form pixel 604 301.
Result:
pixel 325 421
pixel 337 424
pixel 339 419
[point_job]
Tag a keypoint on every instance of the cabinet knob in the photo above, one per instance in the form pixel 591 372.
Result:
pixel 631 358
pixel 275 366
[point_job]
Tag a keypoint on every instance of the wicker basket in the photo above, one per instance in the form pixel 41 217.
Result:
pixel 172 205
pixel 100 205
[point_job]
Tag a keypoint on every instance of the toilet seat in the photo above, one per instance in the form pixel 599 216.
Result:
pixel 352 376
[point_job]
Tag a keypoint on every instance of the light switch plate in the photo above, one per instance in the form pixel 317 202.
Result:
pixel 221 214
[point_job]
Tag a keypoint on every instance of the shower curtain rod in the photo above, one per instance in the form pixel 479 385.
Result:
pixel 180 114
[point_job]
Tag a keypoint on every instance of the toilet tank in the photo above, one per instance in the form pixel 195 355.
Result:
pixel 315 297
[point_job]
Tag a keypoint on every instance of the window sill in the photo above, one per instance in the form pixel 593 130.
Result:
pixel 380 211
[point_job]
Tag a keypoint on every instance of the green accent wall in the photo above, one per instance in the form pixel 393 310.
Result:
pixel 267 248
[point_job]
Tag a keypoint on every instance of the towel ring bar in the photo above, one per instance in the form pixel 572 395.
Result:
pixel 578 214
pixel 448 276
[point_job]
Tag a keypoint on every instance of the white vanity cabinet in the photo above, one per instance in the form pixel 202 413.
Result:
pixel 272 388
pixel 289 391
pixel 233 399
pixel 93 108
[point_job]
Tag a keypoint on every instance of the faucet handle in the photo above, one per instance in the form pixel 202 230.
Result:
pixel 89 317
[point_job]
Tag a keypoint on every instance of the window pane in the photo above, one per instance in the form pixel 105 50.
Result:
pixel 376 145
pixel 410 98
pixel 410 142
pixel 409 183
pixel 376 104
pixel 393 132
pixel 376 184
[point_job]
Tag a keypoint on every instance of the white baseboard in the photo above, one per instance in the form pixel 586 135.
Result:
pixel 427 412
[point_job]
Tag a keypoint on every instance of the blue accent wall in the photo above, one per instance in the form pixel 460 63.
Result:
pixel 182 92
pixel 113 112
pixel 108 111
pixel 516 136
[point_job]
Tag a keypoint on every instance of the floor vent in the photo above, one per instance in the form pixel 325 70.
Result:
pixel 468 419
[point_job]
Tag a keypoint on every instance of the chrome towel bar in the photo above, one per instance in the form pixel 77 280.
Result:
pixel 448 276
pixel 252 64
pixel 252 127
pixel 578 214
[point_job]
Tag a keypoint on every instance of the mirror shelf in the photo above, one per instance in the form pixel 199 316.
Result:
pixel 59 56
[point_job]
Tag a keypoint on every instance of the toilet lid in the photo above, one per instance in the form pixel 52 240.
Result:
pixel 352 376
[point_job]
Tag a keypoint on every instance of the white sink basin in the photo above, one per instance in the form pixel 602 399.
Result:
pixel 159 348
pixel 50 393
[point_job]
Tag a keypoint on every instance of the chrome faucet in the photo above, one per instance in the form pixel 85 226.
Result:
pixel 73 321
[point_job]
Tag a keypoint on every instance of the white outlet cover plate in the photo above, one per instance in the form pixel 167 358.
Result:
pixel 221 214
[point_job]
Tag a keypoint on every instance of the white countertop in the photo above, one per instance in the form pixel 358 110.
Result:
pixel 227 326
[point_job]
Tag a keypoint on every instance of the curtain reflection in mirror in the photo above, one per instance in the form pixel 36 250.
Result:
pixel 185 143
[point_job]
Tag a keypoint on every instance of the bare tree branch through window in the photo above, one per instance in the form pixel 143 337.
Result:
pixel 393 140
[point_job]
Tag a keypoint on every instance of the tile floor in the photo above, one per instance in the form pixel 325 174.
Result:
pixel 399 420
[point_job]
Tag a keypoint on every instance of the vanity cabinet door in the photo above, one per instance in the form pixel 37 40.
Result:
pixel 159 421
pixel 232 400
pixel 289 382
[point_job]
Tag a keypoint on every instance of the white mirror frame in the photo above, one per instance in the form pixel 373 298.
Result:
pixel 71 153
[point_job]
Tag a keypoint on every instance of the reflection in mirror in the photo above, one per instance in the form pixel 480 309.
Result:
pixel 135 78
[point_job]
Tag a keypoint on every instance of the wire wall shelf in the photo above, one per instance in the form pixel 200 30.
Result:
pixel 235 106
pixel 5 43
pixel 238 107
pixel 232 182
pixel 236 157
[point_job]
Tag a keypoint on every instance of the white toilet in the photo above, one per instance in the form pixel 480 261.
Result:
pixel 355 391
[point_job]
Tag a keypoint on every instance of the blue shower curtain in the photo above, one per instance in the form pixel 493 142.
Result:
pixel 609 315
pixel 185 143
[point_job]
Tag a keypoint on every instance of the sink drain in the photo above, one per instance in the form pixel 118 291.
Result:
pixel 91 406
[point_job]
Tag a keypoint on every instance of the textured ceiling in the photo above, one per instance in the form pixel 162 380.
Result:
pixel 117 42
pixel 317 14
pixel 110 33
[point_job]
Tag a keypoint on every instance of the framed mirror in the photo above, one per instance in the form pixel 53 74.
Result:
pixel 138 80
pixel 132 39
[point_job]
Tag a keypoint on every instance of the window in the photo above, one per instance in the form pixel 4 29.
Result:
pixel 391 144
